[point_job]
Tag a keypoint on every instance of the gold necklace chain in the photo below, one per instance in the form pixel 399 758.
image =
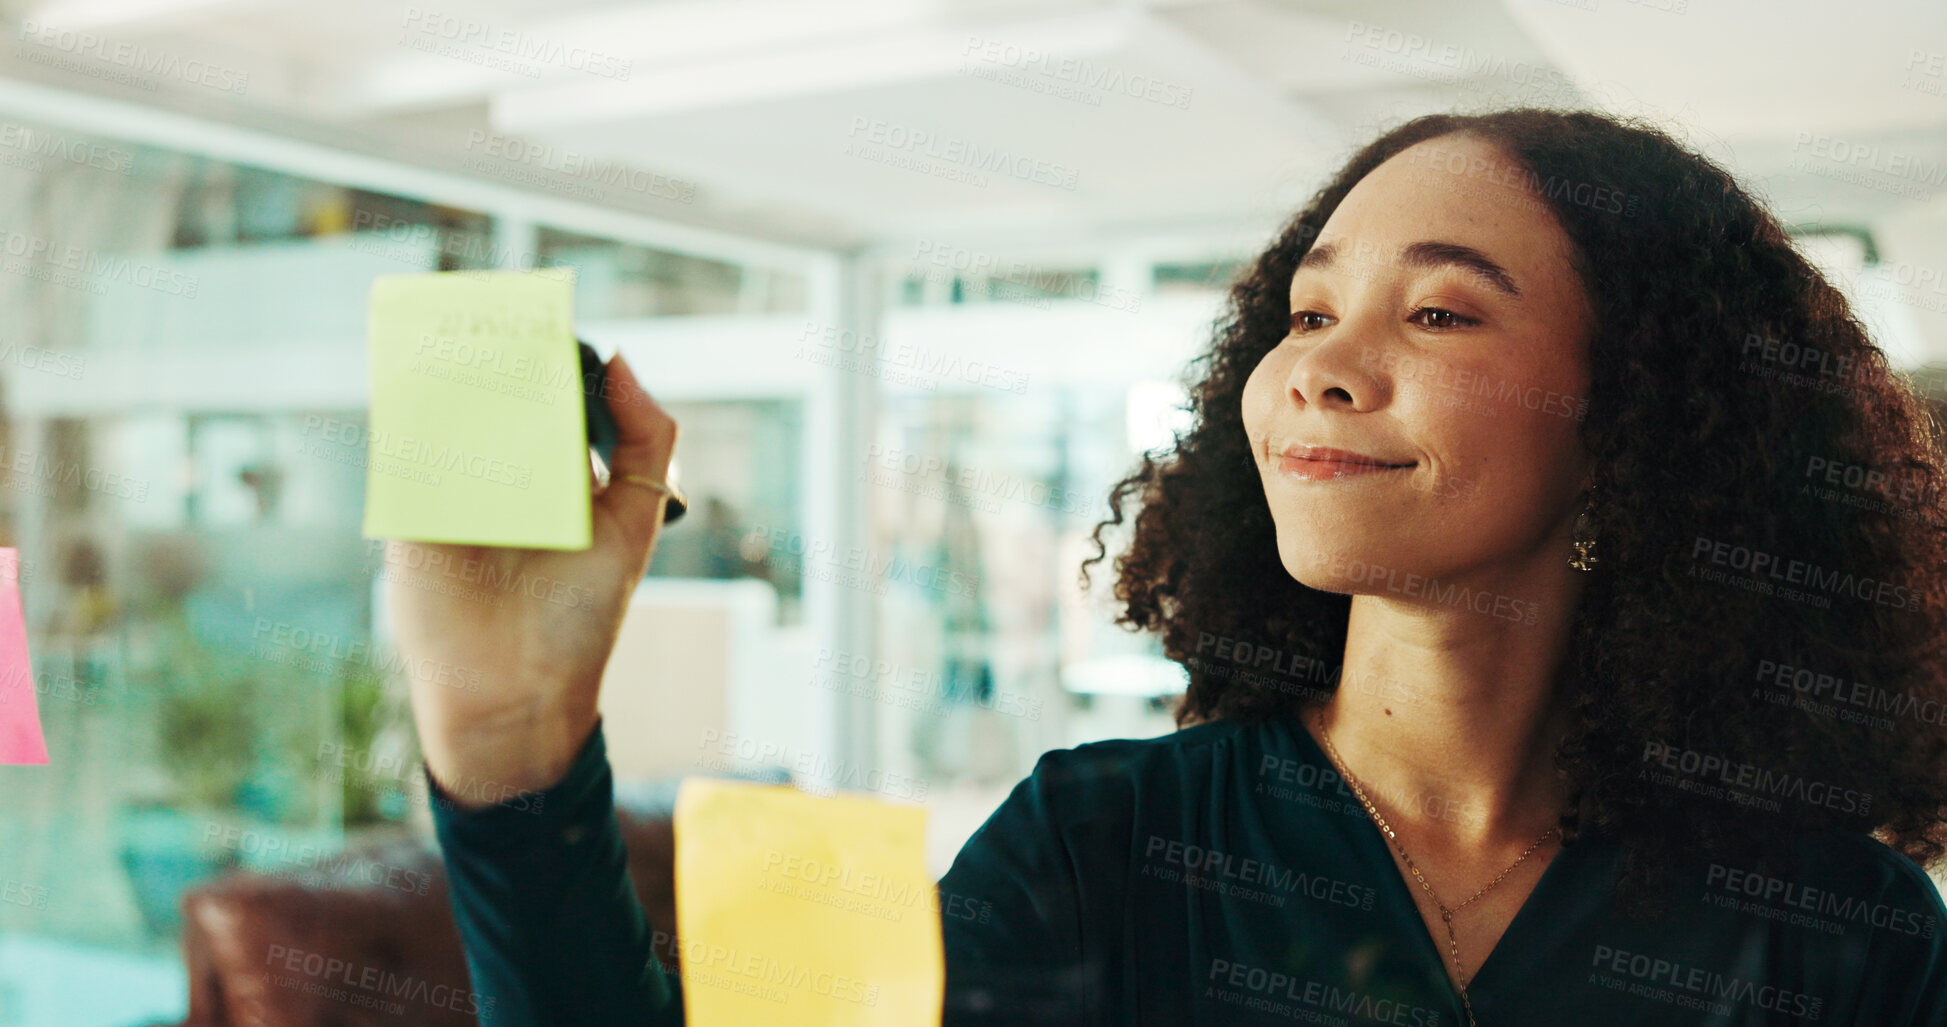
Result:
pixel 1446 912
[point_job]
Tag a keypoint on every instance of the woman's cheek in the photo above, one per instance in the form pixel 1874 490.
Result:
pixel 1259 399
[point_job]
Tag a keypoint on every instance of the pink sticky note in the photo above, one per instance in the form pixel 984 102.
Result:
pixel 20 713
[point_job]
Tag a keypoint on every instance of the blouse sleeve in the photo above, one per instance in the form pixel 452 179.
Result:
pixel 1011 913
pixel 549 917
pixel 554 933
pixel 1899 967
pixel 1928 1007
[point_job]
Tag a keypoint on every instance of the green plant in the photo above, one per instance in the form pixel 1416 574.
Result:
pixel 366 711
pixel 203 727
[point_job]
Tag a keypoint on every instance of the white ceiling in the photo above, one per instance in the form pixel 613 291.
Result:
pixel 756 102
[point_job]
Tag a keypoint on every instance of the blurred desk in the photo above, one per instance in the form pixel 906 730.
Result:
pixel 697 659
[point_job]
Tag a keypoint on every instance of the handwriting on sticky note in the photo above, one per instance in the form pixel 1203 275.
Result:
pixel 20 715
pixel 476 432
pixel 804 910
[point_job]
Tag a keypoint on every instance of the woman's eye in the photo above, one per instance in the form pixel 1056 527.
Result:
pixel 1437 317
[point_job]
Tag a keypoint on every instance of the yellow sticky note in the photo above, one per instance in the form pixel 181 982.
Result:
pixel 804 910
pixel 476 431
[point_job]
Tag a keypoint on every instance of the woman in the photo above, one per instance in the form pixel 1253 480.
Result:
pixel 1585 690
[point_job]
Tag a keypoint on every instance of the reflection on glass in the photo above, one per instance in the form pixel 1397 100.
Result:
pixel 740 468
pixel 982 507
pixel 621 280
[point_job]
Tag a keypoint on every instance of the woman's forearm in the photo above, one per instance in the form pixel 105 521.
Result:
pixel 552 926
pixel 526 749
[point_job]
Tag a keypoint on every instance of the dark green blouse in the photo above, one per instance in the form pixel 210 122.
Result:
pixel 1223 874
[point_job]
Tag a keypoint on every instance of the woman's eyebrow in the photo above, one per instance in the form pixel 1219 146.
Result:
pixel 1426 255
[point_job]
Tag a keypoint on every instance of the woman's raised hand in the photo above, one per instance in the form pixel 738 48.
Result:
pixel 505 647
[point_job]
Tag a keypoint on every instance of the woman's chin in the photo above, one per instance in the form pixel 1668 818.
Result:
pixel 1349 568
pixel 1323 577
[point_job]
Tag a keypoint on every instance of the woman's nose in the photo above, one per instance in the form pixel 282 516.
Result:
pixel 1338 366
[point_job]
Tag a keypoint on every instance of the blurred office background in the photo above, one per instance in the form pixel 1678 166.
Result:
pixel 906 376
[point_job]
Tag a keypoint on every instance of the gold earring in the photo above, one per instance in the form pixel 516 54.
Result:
pixel 1585 558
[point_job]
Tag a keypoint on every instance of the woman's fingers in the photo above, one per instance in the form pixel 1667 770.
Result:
pixel 648 439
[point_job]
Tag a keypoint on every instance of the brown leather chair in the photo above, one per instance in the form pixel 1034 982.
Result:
pixel 270 952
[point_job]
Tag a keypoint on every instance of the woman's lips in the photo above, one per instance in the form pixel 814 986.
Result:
pixel 1320 464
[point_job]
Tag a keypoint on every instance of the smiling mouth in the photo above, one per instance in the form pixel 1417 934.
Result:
pixel 1309 464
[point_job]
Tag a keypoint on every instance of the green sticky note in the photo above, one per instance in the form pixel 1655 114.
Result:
pixel 476 432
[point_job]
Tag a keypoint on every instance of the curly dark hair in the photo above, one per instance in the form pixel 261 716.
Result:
pixel 1712 431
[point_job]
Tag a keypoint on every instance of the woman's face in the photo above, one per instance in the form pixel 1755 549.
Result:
pixel 1437 328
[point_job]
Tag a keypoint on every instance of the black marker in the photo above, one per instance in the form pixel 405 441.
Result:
pixel 603 433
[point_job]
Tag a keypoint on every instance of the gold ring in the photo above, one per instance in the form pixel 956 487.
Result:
pixel 678 503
